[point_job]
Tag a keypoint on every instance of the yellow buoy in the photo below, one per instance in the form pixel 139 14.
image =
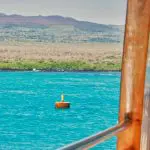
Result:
pixel 62 103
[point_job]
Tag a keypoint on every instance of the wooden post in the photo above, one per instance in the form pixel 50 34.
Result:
pixel 133 72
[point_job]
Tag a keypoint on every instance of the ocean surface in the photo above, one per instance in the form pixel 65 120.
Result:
pixel 29 120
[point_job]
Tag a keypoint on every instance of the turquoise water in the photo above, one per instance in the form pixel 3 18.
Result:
pixel 29 120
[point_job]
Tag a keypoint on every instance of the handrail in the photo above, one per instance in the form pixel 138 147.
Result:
pixel 95 139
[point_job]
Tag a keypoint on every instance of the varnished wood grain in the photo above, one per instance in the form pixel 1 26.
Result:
pixel 133 72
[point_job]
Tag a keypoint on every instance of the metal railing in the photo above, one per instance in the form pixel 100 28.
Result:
pixel 93 140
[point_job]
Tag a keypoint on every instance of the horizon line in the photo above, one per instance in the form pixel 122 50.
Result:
pixel 11 14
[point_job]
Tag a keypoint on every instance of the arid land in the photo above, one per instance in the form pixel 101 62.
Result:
pixel 60 56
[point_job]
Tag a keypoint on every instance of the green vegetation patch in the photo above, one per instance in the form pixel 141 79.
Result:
pixel 59 65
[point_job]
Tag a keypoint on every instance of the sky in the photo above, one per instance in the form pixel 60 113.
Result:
pixel 99 11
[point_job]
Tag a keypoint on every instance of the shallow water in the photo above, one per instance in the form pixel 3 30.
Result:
pixel 29 120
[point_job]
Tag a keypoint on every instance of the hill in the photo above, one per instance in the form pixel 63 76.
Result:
pixel 56 29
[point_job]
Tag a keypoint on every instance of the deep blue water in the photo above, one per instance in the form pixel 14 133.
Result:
pixel 29 120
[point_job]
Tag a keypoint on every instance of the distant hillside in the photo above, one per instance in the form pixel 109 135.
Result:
pixel 53 20
pixel 56 29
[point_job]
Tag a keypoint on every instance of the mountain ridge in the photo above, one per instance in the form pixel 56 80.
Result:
pixel 56 29
pixel 16 19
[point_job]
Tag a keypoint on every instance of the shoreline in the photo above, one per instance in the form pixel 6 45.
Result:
pixel 85 57
pixel 59 66
pixel 55 70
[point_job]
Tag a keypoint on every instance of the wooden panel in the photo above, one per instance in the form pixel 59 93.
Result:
pixel 145 133
pixel 133 72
